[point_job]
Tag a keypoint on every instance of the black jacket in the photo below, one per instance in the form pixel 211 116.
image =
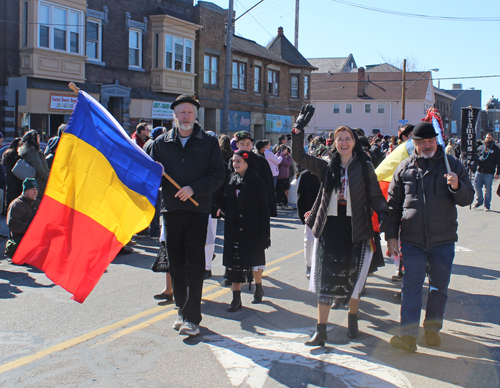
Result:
pixel 306 193
pixel 20 214
pixel 422 203
pixel 365 195
pixel 198 165
pixel 265 173
pixel 377 155
pixel 488 159
pixel 246 221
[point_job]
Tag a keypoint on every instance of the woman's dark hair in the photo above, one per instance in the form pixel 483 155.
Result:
pixel 225 147
pixel 405 130
pixel 248 156
pixel 12 150
pixel 30 139
pixel 335 162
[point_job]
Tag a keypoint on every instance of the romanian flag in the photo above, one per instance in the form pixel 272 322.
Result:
pixel 102 189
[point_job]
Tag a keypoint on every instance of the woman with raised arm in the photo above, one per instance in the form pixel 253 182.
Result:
pixel 341 222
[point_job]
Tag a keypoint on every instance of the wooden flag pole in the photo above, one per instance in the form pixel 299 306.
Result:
pixel 176 185
pixel 73 87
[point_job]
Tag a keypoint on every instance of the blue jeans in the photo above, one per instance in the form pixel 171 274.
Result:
pixel 438 260
pixel 481 179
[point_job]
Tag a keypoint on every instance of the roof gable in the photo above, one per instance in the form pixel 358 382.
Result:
pixel 250 47
pixel 282 47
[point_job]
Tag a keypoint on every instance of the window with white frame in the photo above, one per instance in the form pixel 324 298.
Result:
pixel 135 48
pixel 239 76
pixel 336 108
pixel 368 108
pixel 210 70
pixel 348 108
pixel 294 86
pixel 306 87
pixel 93 45
pixel 381 108
pixel 179 53
pixel 273 78
pixel 256 79
pixel 60 28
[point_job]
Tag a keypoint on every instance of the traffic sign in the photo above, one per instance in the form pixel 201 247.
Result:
pixel 403 122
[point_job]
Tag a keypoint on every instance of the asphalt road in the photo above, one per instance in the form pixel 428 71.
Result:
pixel 121 337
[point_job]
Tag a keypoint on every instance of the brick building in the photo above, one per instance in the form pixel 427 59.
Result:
pixel 134 56
pixel 268 85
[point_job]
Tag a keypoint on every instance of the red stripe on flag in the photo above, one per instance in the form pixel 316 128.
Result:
pixel 384 186
pixel 72 249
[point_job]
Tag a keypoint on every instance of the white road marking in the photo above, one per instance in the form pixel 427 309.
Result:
pixel 248 360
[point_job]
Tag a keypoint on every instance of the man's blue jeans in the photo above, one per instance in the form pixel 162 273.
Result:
pixel 439 261
pixel 481 179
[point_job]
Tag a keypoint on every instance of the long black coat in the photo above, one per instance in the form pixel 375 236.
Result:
pixel 262 167
pixel 307 192
pixel 246 221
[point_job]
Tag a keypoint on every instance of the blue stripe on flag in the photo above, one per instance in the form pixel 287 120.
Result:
pixel 95 125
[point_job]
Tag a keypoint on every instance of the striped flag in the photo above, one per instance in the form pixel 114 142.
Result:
pixel 102 190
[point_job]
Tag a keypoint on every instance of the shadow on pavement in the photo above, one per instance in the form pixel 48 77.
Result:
pixel 14 280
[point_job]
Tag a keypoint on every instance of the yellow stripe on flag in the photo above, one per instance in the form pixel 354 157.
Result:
pixel 86 182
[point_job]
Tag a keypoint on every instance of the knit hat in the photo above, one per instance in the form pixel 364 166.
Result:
pixel 424 130
pixel 29 183
pixel 157 131
pixel 185 98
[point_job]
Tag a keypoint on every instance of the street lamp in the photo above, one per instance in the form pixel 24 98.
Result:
pixel 404 87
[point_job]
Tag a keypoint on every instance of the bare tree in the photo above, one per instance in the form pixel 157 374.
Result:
pixel 412 63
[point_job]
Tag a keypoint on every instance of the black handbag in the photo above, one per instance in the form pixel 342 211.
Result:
pixel 161 262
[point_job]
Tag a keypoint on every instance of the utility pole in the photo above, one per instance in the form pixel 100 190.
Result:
pixel 404 91
pixel 297 24
pixel 227 79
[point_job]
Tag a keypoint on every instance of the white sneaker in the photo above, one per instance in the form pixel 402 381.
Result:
pixel 486 209
pixel 178 323
pixel 189 329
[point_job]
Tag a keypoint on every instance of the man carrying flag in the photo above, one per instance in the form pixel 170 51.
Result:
pixel 192 159
pixel 102 190
pixel 423 196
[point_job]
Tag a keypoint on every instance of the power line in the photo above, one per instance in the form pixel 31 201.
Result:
pixel 409 80
pixel 421 16
pixel 256 20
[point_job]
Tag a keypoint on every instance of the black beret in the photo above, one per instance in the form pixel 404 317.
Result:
pixel 185 98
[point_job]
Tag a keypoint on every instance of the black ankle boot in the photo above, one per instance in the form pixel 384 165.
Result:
pixel 352 325
pixel 258 294
pixel 236 302
pixel 319 336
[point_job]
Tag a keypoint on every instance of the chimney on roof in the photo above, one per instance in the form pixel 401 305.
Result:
pixel 280 31
pixel 361 82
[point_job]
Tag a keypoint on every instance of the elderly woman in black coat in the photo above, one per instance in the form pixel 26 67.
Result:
pixel 340 220
pixel 247 227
